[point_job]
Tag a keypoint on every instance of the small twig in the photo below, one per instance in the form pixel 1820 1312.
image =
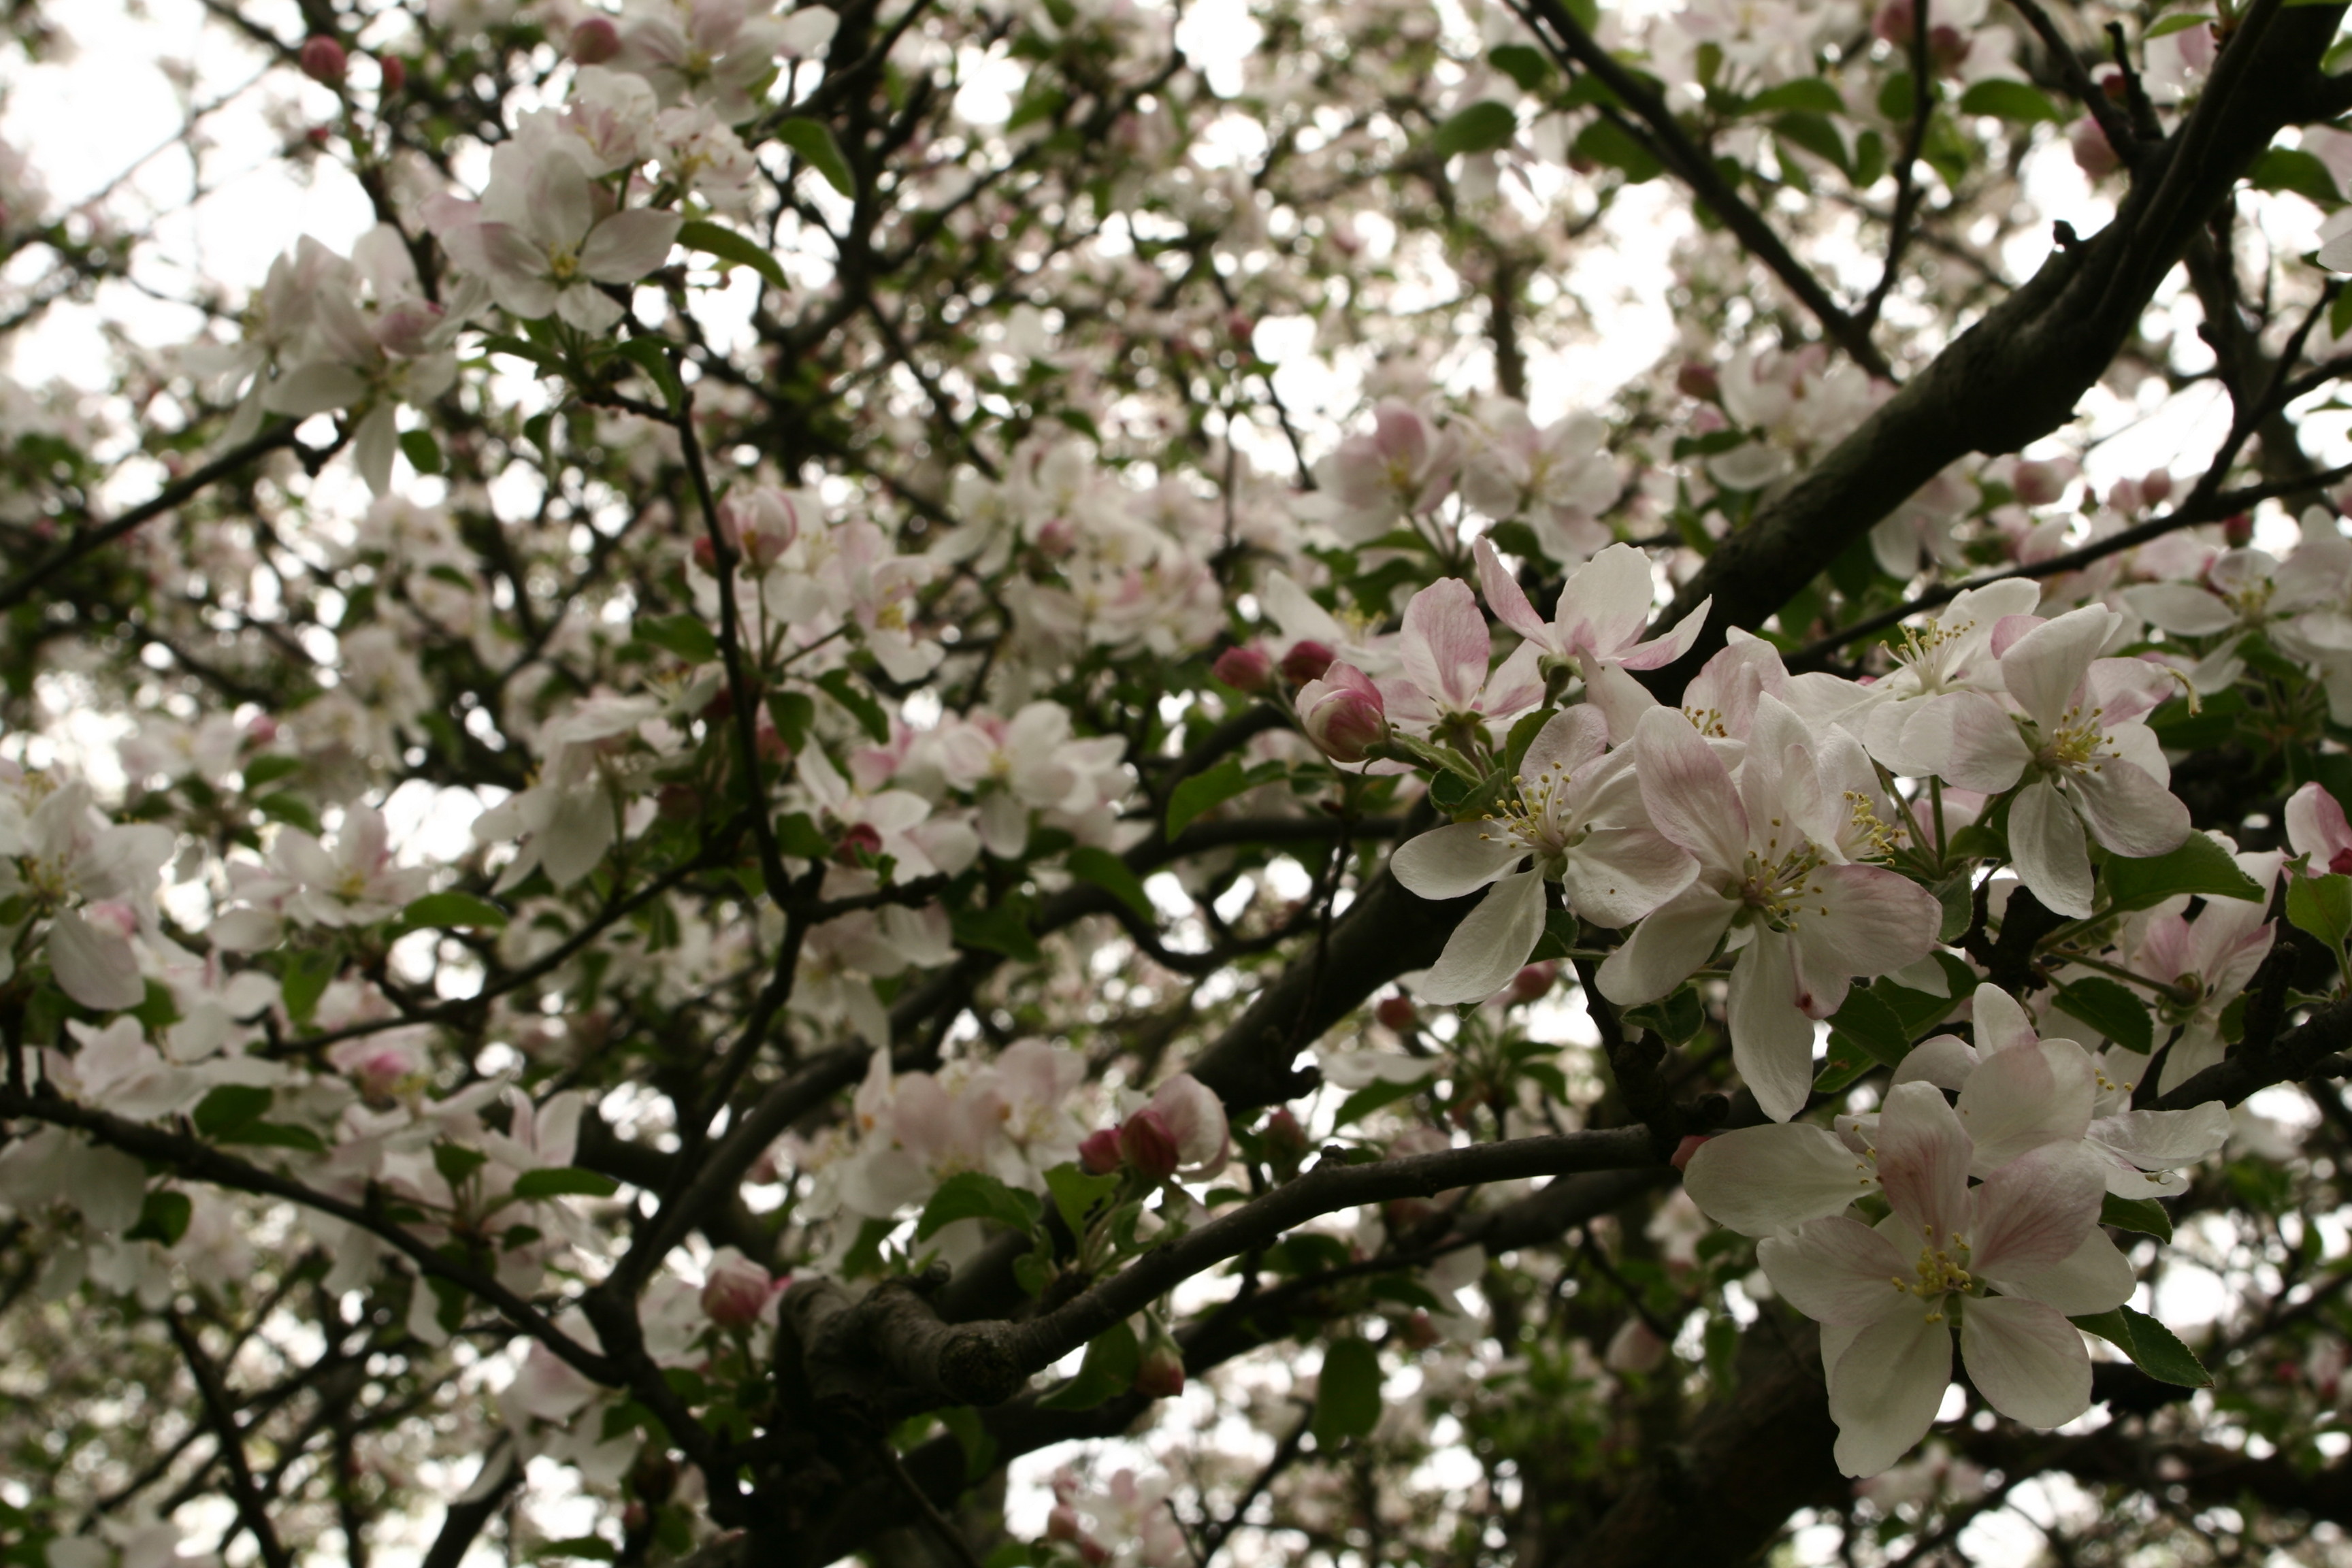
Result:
pixel 941 1526
pixel 250 1507
pixel 1907 190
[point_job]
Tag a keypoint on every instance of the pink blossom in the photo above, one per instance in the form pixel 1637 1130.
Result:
pixel 2317 827
pixel 1343 713
pixel 736 1291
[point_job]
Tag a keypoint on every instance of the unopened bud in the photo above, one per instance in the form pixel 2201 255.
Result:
pixel 1062 1522
pixel 1699 381
pixel 392 74
pixel 323 60
pixel 736 1292
pixel 594 41
pixel 857 840
pixel 1419 1331
pixel 1147 1144
pixel 1396 1013
pixel 1248 668
pixel 1535 981
pixel 1098 1152
pixel 2156 487
pixel 1306 661
pixel 2239 529
pixel 2037 483
pixel 1285 1140
pixel 1947 49
pixel 2094 153
pixel 1686 1149
pixel 1057 536
pixel 1895 23
pixel 1162 1376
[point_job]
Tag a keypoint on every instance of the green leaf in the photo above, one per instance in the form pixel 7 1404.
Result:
pixel 1808 95
pixel 1113 876
pixel 728 246
pixel 2177 25
pixel 2112 1009
pixel 162 1217
pixel 2144 1215
pixel 1523 64
pixel 291 810
pixel 2200 865
pixel 2322 905
pixel 305 980
pixel 1210 787
pixel 1481 128
pixel 2007 99
pixel 457 1162
pixel 1109 1367
pixel 843 687
pixel 963 1423
pixel 275 1135
pixel 422 452
pixel 2153 1348
pixel 2339 315
pixel 1870 1023
pixel 230 1107
pixel 683 635
pixel 1678 1016
pixel 813 140
pixel 975 1194
pixel 1076 1194
pixel 2294 170
pixel 998 930
pixel 440 911
pixel 564 1181
pixel 652 356
pixel 1845 1063
pixel 1605 141
pixel 1347 1393
pixel 1814 134
pixel 1372 1096
pixel 270 769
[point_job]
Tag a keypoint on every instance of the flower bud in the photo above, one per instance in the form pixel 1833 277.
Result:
pixel 736 1291
pixel 1686 1149
pixel 1343 713
pixel 2156 487
pixel 1098 1155
pixel 393 74
pixel 1244 669
pixel 323 60
pixel 1396 1011
pixel 2239 529
pixel 1062 1522
pixel 1535 981
pixel 1419 1330
pixel 1148 1145
pixel 1700 380
pixel 1162 1376
pixel 2094 153
pixel 2037 483
pixel 1306 661
pixel 1284 1140
pixel 1895 23
pixel 1057 537
pixel 594 41
pixel 857 840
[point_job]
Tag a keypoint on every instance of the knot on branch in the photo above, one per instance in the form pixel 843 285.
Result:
pixel 873 1360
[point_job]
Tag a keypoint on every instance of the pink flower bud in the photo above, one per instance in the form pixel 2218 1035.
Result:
pixel 1686 1149
pixel 323 60
pixel 1062 1522
pixel 1535 981
pixel 1420 1332
pixel 262 730
pixel 2239 529
pixel 2037 483
pixel 1057 537
pixel 1098 1155
pixel 1343 713
pixel 1149 1146
pixel 1244 669
pixel 393 74
pixel 1283 1139
pixel 1948 47
pixel 2094 153
pixel 1699 381
pixel 594 41
pixel 2154 486
pixel 1306 661
pixel 1895 23
pixel 1162 1376
pixel 1396 1013
pixel 737 1291
pixel 857 840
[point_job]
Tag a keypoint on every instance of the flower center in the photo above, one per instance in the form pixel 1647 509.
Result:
pixel 2080 743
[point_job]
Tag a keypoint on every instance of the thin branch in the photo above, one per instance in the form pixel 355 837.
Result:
pixel 1907 189
pixel 251 1508
pixel 2093 98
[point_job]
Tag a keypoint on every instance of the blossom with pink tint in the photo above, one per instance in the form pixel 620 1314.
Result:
pixel 1343 713
pixel 736 1291
pixel 1148 1145
pixel 73 866
pixel 1888 1351
pixel 1442 686
pixel 1195 1119
pixel 1559 478
pixel 1404 468
pixel 1602 610
pixel 594 41
pixel 2209 960
pixel 546 237
pixel 2316 828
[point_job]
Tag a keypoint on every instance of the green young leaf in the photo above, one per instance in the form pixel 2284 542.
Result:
pixel 813 140
pixel 843 687
pixel 2177 25
pixel 1870 1023
pixel 2112 1010
pixel 1845 1063
pixel 683 635
pixel 1076 1194
pixel 1523 64
pixel 1109 1367
pixel 1113 876
pixel 1807 95
pixel 2294 170
pixel 975 1195
pixel 1347 1393
pixel 1481 128
pixel 1371 1097
pixel 304 981
pixel 2006 99
pixel 163 1218
pixel 229 1107
pixel 564 1181
pixel 2322 905
pixel 2153 1348
pixel 652 356
pixel 998 930
pixel 1606 141
pixel 442 911
pixel 2144 1215
pixel 270 769
pixel 1211 787
pixel 963 1423
pixel 422 452
pixel 731 247
pixel 291 810
pixel 2200 865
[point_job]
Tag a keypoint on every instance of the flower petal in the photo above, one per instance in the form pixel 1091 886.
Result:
pixel 1688 792
pixel 2093 1277
pixel 2050 852
pixel 1491 946
pixel 95 967
pixel 628 245
pixel 1670 943
pixel 1762 1180
pixel 2026 1359
pixel 2034 1210
pixel 1838 1270
pixel 1459 859
pixel 1889 1384
pixel 1923 1163
pixel 1771 1035
pixel 2024 1096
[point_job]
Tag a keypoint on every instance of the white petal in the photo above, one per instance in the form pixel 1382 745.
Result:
pixel 2044 666
pixel 2026 1359
pixel 2181 608
pixel 2024 1097
pixel 1459 859
pixel 2052 854
pixel 1837 1270
pixel 1771 1039
pixel 1944 1061
pixel 1889 1384
pixel 1490 946
pixel 2035 1210
pixel 96 968
pixel 1617 875
pixel 2159 1139
pixel 1762 1180
pixel 2132 813
pixel 1967 739
pixel 1666 947
pixel 628 245
pixel 2093 1277
pixel 1688 792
